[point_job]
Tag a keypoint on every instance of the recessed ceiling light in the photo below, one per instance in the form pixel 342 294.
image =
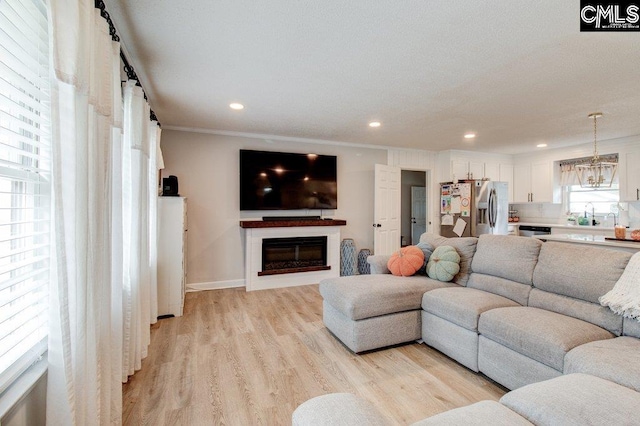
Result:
pixel 541 145
pixel 236 106
pixel 375 124
pixel 469 135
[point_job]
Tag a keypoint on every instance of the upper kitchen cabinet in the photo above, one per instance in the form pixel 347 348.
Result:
pixel 462 169
pixel 629 174
pixel 492 171
pixel 505 174
pixel 533 182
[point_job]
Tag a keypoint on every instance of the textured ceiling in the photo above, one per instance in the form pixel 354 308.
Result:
pixel 518 73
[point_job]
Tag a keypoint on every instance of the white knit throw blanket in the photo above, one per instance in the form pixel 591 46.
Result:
pixel 624 297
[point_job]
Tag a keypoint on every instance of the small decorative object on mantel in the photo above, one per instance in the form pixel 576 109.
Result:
pixel 363 266
pixel 347 257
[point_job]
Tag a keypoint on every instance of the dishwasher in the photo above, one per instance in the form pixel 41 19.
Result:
pixel 530 231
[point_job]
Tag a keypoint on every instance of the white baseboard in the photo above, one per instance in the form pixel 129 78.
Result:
pixel 214 285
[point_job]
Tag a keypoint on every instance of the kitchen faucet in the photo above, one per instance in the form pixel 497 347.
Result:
pixel 593 213
pixel 615 218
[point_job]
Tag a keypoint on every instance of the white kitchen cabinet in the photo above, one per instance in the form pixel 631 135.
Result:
pixel 476 170
pixel 492 171
pixel 506 175
pixel 522 183
pixel 533 182
pixel 172 255
pixel 629 169
pixel 464 169
pixel 461 169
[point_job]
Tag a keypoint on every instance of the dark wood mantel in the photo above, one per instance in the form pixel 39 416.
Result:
pixel 290 223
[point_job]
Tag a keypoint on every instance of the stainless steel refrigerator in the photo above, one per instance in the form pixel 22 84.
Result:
pixel 473 208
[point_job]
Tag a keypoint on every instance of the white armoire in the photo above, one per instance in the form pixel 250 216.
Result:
pixel 172 255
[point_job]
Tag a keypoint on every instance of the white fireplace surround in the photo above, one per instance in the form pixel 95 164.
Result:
pixel 253 256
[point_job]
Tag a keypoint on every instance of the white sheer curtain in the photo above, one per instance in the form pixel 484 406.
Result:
pixel 141 138
pixel 568 176
pixel 103 288
pixel 569 173
pixel 85 338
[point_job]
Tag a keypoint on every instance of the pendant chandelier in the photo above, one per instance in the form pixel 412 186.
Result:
pixel 596 173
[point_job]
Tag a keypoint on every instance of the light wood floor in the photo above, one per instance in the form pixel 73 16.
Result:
pixel 238 358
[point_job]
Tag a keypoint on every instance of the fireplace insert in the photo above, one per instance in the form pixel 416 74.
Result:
pixel 295 254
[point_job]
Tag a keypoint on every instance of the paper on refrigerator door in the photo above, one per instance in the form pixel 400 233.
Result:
pixel 446 219
pixel 459 228
pixel 455 205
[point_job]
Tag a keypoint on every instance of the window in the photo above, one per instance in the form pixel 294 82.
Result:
pixel 602 199
pixel 24 185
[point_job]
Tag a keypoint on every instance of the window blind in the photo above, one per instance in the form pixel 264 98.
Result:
pixel 24 185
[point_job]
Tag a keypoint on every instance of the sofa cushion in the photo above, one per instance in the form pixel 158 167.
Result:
pixel 427 250
pixel 539 334
pixel 480 414
pixel 575 399
pixel 578 271
pixel 462 306
pixel 631 327
pixel 378 263
pixel 337 409
pixel 504 256
pixel 366 296
pixel 466 247
pixel 510 289
pixel 616 359
pixel 586 311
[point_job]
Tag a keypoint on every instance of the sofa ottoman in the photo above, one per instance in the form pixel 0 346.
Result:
pixel 575 399
pixel 368 312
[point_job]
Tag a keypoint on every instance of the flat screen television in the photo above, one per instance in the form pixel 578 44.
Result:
pixel 287 181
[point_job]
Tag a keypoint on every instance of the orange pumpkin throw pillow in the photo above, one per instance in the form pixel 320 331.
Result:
pixel 406 261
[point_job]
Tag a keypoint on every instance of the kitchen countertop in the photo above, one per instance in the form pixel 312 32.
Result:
pixel 563 226
pixel 597 240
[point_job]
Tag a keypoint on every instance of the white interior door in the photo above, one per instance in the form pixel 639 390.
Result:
pixel 386 216
pixel 418 213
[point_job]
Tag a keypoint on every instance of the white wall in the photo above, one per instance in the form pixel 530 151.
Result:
pixel 207 167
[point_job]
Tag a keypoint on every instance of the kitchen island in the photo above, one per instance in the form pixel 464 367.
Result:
pixel 594 240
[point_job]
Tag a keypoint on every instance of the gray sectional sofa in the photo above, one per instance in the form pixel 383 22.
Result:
pixel 523 312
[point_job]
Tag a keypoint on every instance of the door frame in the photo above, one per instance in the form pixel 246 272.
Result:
pixel 429 173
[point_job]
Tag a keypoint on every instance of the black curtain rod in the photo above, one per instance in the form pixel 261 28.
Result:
pixel 128 68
